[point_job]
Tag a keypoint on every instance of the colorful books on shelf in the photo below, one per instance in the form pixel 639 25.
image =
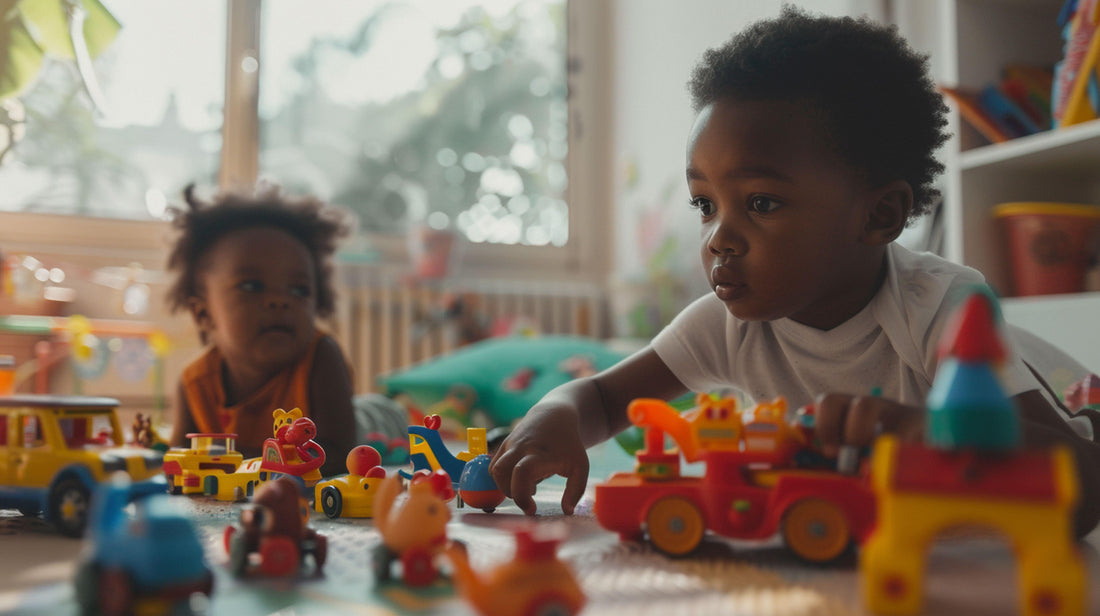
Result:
pixel 1016 106
pixel 1076 92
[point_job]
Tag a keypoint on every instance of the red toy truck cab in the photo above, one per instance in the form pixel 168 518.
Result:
pixel 743 494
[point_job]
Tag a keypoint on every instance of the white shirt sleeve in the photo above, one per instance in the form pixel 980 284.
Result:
pixel 695 345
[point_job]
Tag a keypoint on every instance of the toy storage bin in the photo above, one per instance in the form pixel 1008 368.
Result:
pixel 1050 245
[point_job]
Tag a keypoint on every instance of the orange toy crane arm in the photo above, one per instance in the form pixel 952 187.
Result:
pixel 654 413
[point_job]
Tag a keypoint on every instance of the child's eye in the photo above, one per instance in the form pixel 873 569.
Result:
pixel 704 205
pixel 300 290
pixel 763 205
pixel 251 286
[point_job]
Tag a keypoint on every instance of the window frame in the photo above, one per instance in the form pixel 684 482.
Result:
pixel 585 257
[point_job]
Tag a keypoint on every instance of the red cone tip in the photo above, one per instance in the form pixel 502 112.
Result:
pixel 970 334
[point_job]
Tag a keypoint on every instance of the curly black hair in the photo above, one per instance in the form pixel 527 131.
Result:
pixel 201 224
pixel 881 111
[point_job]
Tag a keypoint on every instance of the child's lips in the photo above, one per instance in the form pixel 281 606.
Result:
pixel 730 292
pixel 277 329
pixel 728 286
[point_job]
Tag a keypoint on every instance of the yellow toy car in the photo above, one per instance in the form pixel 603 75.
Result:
pixel 54 450
pixel 351 495
pixel 212 466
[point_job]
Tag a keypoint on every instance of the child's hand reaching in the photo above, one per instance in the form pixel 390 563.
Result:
pixel 547 442
pixel 846 420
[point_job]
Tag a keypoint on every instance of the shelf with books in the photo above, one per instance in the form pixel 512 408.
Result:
pixel 1069 148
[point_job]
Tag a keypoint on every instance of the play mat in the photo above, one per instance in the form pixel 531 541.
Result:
pixel 971 576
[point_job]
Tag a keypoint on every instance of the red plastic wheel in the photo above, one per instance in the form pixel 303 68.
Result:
pixel 278 556
pixel 418 567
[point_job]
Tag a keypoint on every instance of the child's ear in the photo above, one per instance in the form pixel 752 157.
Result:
pixel 888 213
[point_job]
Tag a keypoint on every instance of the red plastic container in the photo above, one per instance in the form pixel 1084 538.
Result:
pixel 1050 245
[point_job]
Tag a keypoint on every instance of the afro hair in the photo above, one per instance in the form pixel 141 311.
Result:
pixel 882 113
pixel 201 224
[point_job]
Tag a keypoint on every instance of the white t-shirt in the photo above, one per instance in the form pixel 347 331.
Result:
pixel 890 344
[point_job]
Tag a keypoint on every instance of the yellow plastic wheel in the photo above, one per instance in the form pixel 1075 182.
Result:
pixel 816 530
pixel 675 525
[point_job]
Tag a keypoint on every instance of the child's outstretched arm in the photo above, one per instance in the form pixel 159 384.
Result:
pixel 856 420
pixel 552 437
pixel 330 406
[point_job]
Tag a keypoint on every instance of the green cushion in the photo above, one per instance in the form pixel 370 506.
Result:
pixel 486 366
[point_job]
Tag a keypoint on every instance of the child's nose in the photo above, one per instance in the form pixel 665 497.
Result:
pixel 726 240
pixel 278 299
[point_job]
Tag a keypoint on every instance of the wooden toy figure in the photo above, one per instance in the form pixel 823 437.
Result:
pixel 972 471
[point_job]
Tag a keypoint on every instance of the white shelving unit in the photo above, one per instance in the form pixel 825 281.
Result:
pixel 970 41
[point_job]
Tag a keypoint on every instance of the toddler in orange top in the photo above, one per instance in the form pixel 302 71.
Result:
pixel 254 273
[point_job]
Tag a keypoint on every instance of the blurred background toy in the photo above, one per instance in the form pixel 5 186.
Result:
pixel 151 563
pixel 272 538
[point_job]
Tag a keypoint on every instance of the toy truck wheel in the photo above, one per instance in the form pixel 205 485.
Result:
pixel 816 530
pixel 115 593
pixel 675 525
pixel 68 507
pixel 418 567
pixel 332 503
pixel 278 556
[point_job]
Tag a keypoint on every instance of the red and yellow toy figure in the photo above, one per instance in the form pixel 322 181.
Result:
pixel 750 489
pixel 273 538
pixel 293 450
pixel 534 582
pixel 413 529
pixel 972 471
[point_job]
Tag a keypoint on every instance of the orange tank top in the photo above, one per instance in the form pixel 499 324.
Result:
pixel 250 418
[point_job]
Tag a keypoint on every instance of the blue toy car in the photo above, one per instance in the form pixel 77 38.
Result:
pixel 152 562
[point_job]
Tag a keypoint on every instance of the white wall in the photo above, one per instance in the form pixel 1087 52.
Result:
pixel 655 45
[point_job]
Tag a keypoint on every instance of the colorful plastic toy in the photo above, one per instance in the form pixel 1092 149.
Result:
pixel 1083 394
pixel 750 489
pixel 196 470
pixel 273 538
pixel 534 582
pixel 352 495
pixel 428 453
pixel 150 563
pixel 970 474
pixel 293 450
pixel 54 450
pixel 414 530
pixel 477 488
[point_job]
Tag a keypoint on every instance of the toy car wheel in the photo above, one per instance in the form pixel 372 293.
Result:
pixel 418 568
pixel 172 487
pixel 84 586
pixel 319 549
pixel 332 503
pixel 381 560
pixel 675 525
pixel 68 507
pixel 115 592
pixel 237 547
pixel 816 530
pixel 278 556
pixel 551 604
